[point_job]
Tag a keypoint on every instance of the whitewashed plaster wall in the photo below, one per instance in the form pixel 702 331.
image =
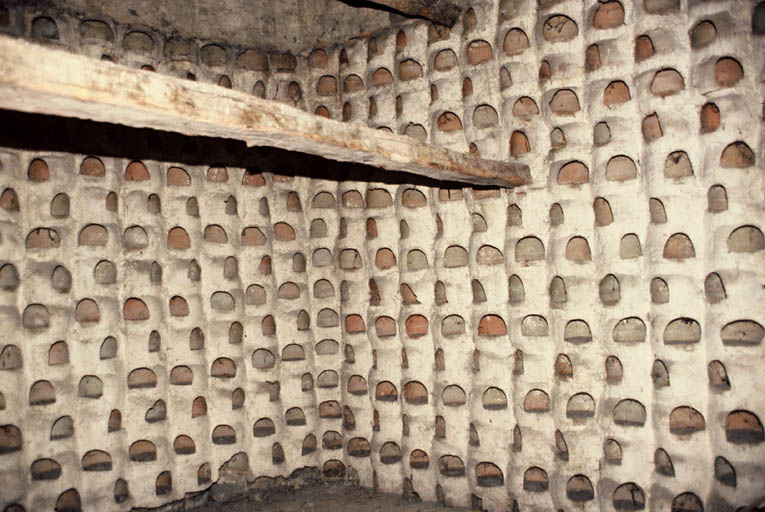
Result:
pixel 590 341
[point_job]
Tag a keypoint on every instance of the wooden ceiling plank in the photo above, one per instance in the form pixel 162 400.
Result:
pixel 43 80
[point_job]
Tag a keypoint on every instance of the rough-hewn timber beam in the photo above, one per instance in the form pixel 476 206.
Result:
pixel 442 12
pixel 41 80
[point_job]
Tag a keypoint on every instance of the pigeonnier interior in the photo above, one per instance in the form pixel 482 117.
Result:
pixel 186 315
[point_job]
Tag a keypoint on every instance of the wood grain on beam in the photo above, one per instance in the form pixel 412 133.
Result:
pixel 42 80
pixel 442 12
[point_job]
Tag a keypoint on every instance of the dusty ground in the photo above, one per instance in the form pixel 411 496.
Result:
pixel 326 498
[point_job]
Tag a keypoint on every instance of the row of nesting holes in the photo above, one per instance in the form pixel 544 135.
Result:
pixel 557 28
pixel 740 426
pixel 680 331
pixel 579 406
pixel 42 392
pixel 609 290
pixel 91 386
pixel 627 496
pixel 563 102
pixel 736 155
pixel 744 239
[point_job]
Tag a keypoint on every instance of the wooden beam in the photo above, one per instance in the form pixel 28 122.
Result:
pixel 41 80
pixel 442 12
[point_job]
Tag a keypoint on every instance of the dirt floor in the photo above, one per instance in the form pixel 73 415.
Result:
pixel 325 498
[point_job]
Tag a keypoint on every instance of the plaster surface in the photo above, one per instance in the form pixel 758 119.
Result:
pixel 287 25
pixel 589 341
